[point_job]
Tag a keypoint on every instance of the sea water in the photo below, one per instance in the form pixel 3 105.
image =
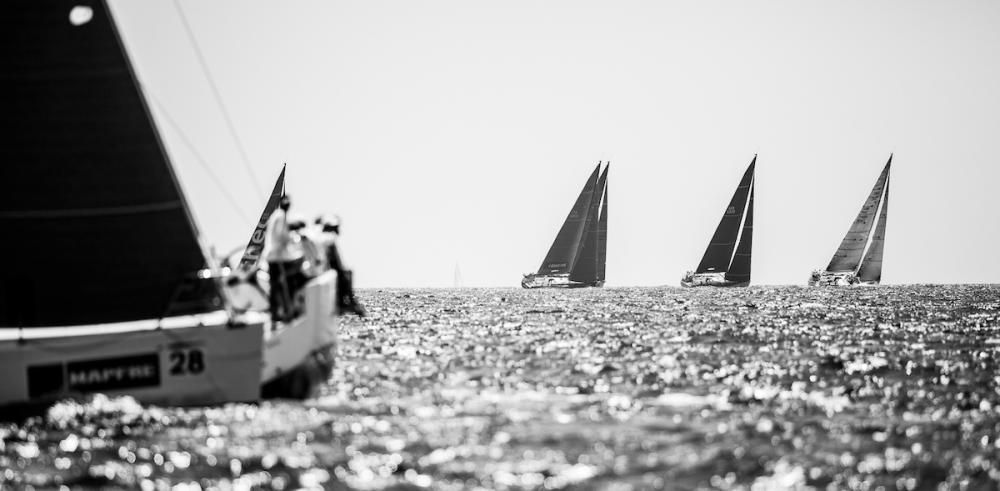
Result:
pixel 895 387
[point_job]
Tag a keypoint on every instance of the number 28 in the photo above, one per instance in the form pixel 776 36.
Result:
pixel 184 362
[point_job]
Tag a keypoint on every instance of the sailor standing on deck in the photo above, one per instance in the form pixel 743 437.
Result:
pixel 284 259
pixel 326 239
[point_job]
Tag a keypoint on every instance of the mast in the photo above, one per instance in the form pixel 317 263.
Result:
pixel 871 266
pixel 848 255
pixel 563 253
pixel 586 267
pixel 719 253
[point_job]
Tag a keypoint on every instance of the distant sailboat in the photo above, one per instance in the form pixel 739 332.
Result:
pixel 458 283
pixel 852 264
pixel 579 252
pixel 720 266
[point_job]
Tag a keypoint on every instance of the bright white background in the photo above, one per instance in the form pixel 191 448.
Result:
pixel 460 132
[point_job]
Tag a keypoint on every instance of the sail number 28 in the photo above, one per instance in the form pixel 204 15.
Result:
pixel 187 362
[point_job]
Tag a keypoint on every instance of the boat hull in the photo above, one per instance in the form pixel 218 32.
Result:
pixel 710 279
pixel 192 365
pixel 302 381
pixel 532 281
pixel 837 278
pixel 310 339
pixel 189 361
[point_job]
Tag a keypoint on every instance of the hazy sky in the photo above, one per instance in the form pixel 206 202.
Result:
pixel 460 132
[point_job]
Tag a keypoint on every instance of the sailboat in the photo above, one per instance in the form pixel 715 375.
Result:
pixel 727 260
pixel 107 285
pixel 578 254
pixel 858 260
pixel 457 280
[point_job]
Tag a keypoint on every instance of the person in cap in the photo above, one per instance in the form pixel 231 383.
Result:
pixel 314 249
pixel 284 260
pixel 330 234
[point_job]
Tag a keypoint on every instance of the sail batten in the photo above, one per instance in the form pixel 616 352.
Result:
pixel 562 255
pixel 719 253
pixel 852 247
pixel 93 191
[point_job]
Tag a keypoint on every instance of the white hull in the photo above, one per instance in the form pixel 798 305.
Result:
pixel 838 278
pixel 315 329
pixel 531 281
pixel 710 279
pixel 194 360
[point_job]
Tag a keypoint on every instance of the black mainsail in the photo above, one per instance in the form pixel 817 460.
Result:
pixel 719 255
pixel 849 255
pixel 96 227
pixel 589 266
pixel 565 249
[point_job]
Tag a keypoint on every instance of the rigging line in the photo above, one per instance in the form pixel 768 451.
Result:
pixel 218 99
pixel 198 157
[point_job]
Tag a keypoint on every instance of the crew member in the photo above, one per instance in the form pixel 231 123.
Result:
pixel 284 259
pixel 330 233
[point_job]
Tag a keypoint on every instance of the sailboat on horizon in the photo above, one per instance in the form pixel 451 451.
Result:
pixel 858 260
pixel 727 259
pixel 113 290
pixel 578 255
pixel 457 281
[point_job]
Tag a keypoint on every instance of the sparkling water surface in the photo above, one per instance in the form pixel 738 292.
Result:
pixel 617 388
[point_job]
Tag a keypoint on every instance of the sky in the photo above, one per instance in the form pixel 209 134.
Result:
pixel 459 133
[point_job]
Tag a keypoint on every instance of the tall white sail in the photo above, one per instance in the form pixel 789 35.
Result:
pixel 852 248
pixel 871 266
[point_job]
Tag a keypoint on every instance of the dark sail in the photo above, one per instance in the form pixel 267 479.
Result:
pixel 95 228
pixel 720 250
pixel 256 245
pixel 586 268
pixel 871 267
pixel 739 270
pixel 563 253
pixel 602 236
pixel 848 255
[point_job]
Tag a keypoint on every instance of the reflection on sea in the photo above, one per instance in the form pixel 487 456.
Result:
pixel 631 388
